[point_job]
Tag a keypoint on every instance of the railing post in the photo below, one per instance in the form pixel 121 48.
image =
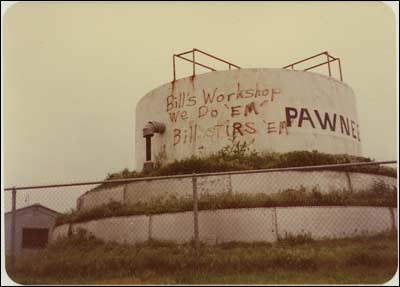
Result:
pixel 173 63
pixel 340 70
pixel 329 64
pixel 196 219
pixel 13 227
pixel 194 65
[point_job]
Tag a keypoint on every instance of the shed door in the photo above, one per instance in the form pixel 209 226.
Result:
pixel 35 237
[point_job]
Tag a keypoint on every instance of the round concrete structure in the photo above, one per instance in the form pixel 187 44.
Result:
pixel 274 109
pixel 238 224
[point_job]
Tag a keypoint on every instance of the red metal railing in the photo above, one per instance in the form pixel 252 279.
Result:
pixel 193 61
pixel 328 62
pixel 329 59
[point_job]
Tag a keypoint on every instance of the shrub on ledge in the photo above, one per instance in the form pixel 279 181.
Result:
pixel 230 159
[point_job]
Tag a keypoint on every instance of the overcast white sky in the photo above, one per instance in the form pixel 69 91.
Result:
pixel 73 72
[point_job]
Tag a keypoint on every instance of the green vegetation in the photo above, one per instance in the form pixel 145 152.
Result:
pixel 237 156
pixel 380 195
pixel 87 260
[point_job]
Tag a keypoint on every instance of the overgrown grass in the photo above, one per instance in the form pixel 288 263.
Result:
pixel 81 258
pixel 380 195
pixel 236 158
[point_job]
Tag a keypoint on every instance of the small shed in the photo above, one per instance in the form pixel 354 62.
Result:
pixel 33 228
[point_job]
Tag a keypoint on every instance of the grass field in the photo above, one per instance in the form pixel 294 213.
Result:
pixel 368 260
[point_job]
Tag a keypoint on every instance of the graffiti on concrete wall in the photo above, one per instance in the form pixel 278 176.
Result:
pixel 322 120
pixel 215 114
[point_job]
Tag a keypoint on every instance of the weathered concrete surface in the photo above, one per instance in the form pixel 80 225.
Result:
pixel 269 183
pixel 217 226
pixel 213 185
pixel 245 225
pixel 59 232
pixel 266 183
pixel 144 191
pixel 333 222
pixel 362 181
pixel 127 229
pixel 203 113
pixel 100 197
pixel 175 226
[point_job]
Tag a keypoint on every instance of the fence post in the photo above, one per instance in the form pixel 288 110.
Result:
pixel 13 226
pixel 196 218
pixel 149 238
pixel 349 181
pixel 276 224
pixel 393 217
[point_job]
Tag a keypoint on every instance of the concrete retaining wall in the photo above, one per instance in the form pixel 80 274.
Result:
pixel 60 232
pixel 127 229
pixel 246 225
pixel 267 183
pixel 97 198
pixel 333 222
pixel 152 189
pixel 361 181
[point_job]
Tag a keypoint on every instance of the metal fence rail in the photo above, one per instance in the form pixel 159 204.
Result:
pixel 128 180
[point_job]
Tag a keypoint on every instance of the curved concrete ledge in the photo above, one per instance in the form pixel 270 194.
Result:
pixel 245 225
pixel 266 183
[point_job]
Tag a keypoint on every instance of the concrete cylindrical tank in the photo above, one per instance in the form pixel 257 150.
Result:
pixel 273 109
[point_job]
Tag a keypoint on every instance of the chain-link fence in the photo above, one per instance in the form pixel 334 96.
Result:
pixel 318 202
